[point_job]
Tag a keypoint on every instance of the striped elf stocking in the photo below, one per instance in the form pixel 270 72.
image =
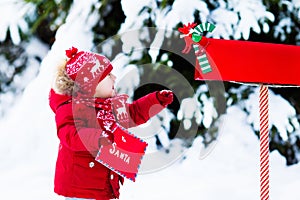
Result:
pixel 201 55
pixel 202 59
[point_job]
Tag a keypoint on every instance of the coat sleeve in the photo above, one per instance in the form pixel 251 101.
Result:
pixel 143 109
pixel 73 134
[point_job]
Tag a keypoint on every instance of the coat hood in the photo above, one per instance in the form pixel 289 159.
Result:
pixel 56 100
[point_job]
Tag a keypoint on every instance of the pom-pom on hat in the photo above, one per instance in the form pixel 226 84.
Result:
pixel 87 69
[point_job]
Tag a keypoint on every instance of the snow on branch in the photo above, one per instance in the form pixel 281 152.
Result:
pixel 13 19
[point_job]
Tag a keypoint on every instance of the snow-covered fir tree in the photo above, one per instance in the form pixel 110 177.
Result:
pixel 131 50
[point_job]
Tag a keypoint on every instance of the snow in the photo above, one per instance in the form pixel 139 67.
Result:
pixel 285 123
pixel 228 169
pixel 12 19
pixel 34 50
pixel 189 108
pixel 183 15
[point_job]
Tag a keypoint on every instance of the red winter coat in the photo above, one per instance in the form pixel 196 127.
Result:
pixel 77 173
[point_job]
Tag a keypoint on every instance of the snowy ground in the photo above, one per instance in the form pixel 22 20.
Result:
pixel 230 171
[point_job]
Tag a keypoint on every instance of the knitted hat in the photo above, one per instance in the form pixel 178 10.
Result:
pixel 87 69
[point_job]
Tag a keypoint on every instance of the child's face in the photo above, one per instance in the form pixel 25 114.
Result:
pixel 106 87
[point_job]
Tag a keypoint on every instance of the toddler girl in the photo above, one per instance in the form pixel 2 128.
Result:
pixel 88 114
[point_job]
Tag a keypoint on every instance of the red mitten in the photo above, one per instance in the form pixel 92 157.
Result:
pixel 165 97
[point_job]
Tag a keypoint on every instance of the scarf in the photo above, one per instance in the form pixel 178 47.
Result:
pixel 124 155
pixel 110 112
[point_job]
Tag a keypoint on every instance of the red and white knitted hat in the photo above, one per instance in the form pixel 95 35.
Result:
pixel 87 69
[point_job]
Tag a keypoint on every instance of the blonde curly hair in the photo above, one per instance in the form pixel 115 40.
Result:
pixel 63 84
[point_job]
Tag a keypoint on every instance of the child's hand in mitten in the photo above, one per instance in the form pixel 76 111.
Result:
pixel 165 97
